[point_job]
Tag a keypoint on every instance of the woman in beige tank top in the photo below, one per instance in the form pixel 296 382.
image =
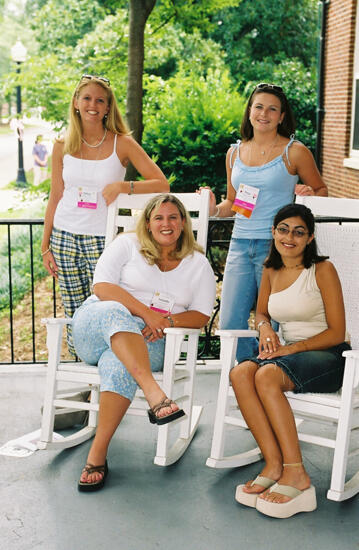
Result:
pixel 302 292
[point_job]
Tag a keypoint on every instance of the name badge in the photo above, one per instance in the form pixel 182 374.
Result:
pixel 245 200
pixel 87 198
pixel 162 302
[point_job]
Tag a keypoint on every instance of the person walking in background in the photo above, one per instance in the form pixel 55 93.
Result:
pixel 88 172
pixel 300 290
pixel 262 176
pixel 40 156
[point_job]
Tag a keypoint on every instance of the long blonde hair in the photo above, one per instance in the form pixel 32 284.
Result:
pixel 150 249
pixel 113 121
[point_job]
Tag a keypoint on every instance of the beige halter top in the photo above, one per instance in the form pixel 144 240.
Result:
pixel 299 308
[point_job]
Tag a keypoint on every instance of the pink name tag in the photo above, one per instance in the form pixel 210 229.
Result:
pixel 87 198
pixel 245 200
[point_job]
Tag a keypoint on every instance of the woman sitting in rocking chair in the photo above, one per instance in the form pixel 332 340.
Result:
pixel 301 291
pixel 143 283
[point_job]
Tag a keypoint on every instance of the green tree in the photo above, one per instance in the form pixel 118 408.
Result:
pixel 196 120
pixel 78 17
pixel 267 29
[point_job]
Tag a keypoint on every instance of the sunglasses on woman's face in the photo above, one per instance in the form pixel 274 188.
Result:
pixel 94 77
pixel 295 232
pixel 263 85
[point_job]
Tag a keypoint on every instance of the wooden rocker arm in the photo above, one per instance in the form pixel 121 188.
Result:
pixel 351 367
pixel 56 321
pixel 229 333
pixel 181 330
pixel 54 328
pixel 353 353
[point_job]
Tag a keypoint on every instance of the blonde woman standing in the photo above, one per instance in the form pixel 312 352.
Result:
pixel 88 171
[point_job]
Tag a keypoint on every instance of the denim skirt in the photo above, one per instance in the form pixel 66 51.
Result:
pixel 312 371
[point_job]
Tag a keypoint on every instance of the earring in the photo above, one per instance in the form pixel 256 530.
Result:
pixel 77 111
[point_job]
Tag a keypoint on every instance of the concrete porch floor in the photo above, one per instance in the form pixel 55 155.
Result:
pixel 143 506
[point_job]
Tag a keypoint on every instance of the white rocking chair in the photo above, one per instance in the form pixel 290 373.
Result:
pixel 341 244
pixel 176 380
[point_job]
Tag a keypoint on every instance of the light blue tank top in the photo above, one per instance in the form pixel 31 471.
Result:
pixel 276 189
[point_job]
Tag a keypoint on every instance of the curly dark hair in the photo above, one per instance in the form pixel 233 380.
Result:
pixel 311 255
pixel 285 128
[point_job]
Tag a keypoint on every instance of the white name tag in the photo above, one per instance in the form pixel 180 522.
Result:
pixel 87 198
pixel 162 302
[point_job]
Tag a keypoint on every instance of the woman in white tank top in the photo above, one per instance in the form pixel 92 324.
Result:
pixel 88 172
pixel 302 292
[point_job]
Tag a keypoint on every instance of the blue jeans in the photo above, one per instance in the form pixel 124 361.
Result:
pixel 242 277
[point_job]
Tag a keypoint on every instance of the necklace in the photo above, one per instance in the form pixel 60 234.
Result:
pixel 292 266
pixel 97 144
pixel 262 152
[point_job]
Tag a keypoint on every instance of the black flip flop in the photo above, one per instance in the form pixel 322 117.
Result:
pixel 154 419
pixel 97 485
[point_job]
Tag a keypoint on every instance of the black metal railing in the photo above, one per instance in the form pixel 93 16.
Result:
pixel 20 268
pixel 20 257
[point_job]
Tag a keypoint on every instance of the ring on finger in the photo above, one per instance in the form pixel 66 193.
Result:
pixel 268 339
pixel 159 330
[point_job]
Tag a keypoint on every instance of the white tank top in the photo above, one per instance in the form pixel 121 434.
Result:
pixel 87 177
pixel 299 308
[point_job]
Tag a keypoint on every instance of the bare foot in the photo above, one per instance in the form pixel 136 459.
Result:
pixel 294 476
pixel 94 459
pixel 156 399
pixel 271 471
pixel 90 477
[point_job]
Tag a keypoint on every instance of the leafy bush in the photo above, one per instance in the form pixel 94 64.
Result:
pixel 190 128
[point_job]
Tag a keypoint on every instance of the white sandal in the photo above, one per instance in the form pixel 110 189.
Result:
pixel 301 501
pixel 250 499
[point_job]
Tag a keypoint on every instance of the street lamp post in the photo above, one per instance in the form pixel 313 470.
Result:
pixel 18 55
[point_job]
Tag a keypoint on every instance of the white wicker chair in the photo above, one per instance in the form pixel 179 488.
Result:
pixel 177 381
pixel 341 243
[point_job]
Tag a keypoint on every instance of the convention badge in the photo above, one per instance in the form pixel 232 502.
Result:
pixel 87 198
pixel 245 200
pixel 162 302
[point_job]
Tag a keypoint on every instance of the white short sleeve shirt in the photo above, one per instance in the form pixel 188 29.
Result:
pixel 191 284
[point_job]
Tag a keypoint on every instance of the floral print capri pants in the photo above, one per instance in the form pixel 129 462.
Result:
pixel 93 325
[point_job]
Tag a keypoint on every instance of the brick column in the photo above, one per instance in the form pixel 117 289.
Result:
pixel 338 85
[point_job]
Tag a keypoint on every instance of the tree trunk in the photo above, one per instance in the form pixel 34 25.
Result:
pixel 140 10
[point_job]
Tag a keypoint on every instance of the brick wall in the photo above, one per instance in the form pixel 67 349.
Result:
pixel 340 39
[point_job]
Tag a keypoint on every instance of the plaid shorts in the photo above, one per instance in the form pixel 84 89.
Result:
pixel 76 258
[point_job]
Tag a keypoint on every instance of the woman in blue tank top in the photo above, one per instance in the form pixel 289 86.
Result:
pixel 262 176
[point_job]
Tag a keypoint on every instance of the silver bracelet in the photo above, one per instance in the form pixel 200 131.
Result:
pixel 217 212
pixel 132 188
pixel 262 323
pixel 172 324
pixel 45 252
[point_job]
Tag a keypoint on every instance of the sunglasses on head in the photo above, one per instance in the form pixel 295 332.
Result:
pixel 274 87
pixel 94 77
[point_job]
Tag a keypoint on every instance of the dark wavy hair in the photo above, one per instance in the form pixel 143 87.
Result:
pixel 311 255
pixel 285 128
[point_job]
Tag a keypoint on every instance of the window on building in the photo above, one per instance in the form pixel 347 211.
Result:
pixel 353 160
